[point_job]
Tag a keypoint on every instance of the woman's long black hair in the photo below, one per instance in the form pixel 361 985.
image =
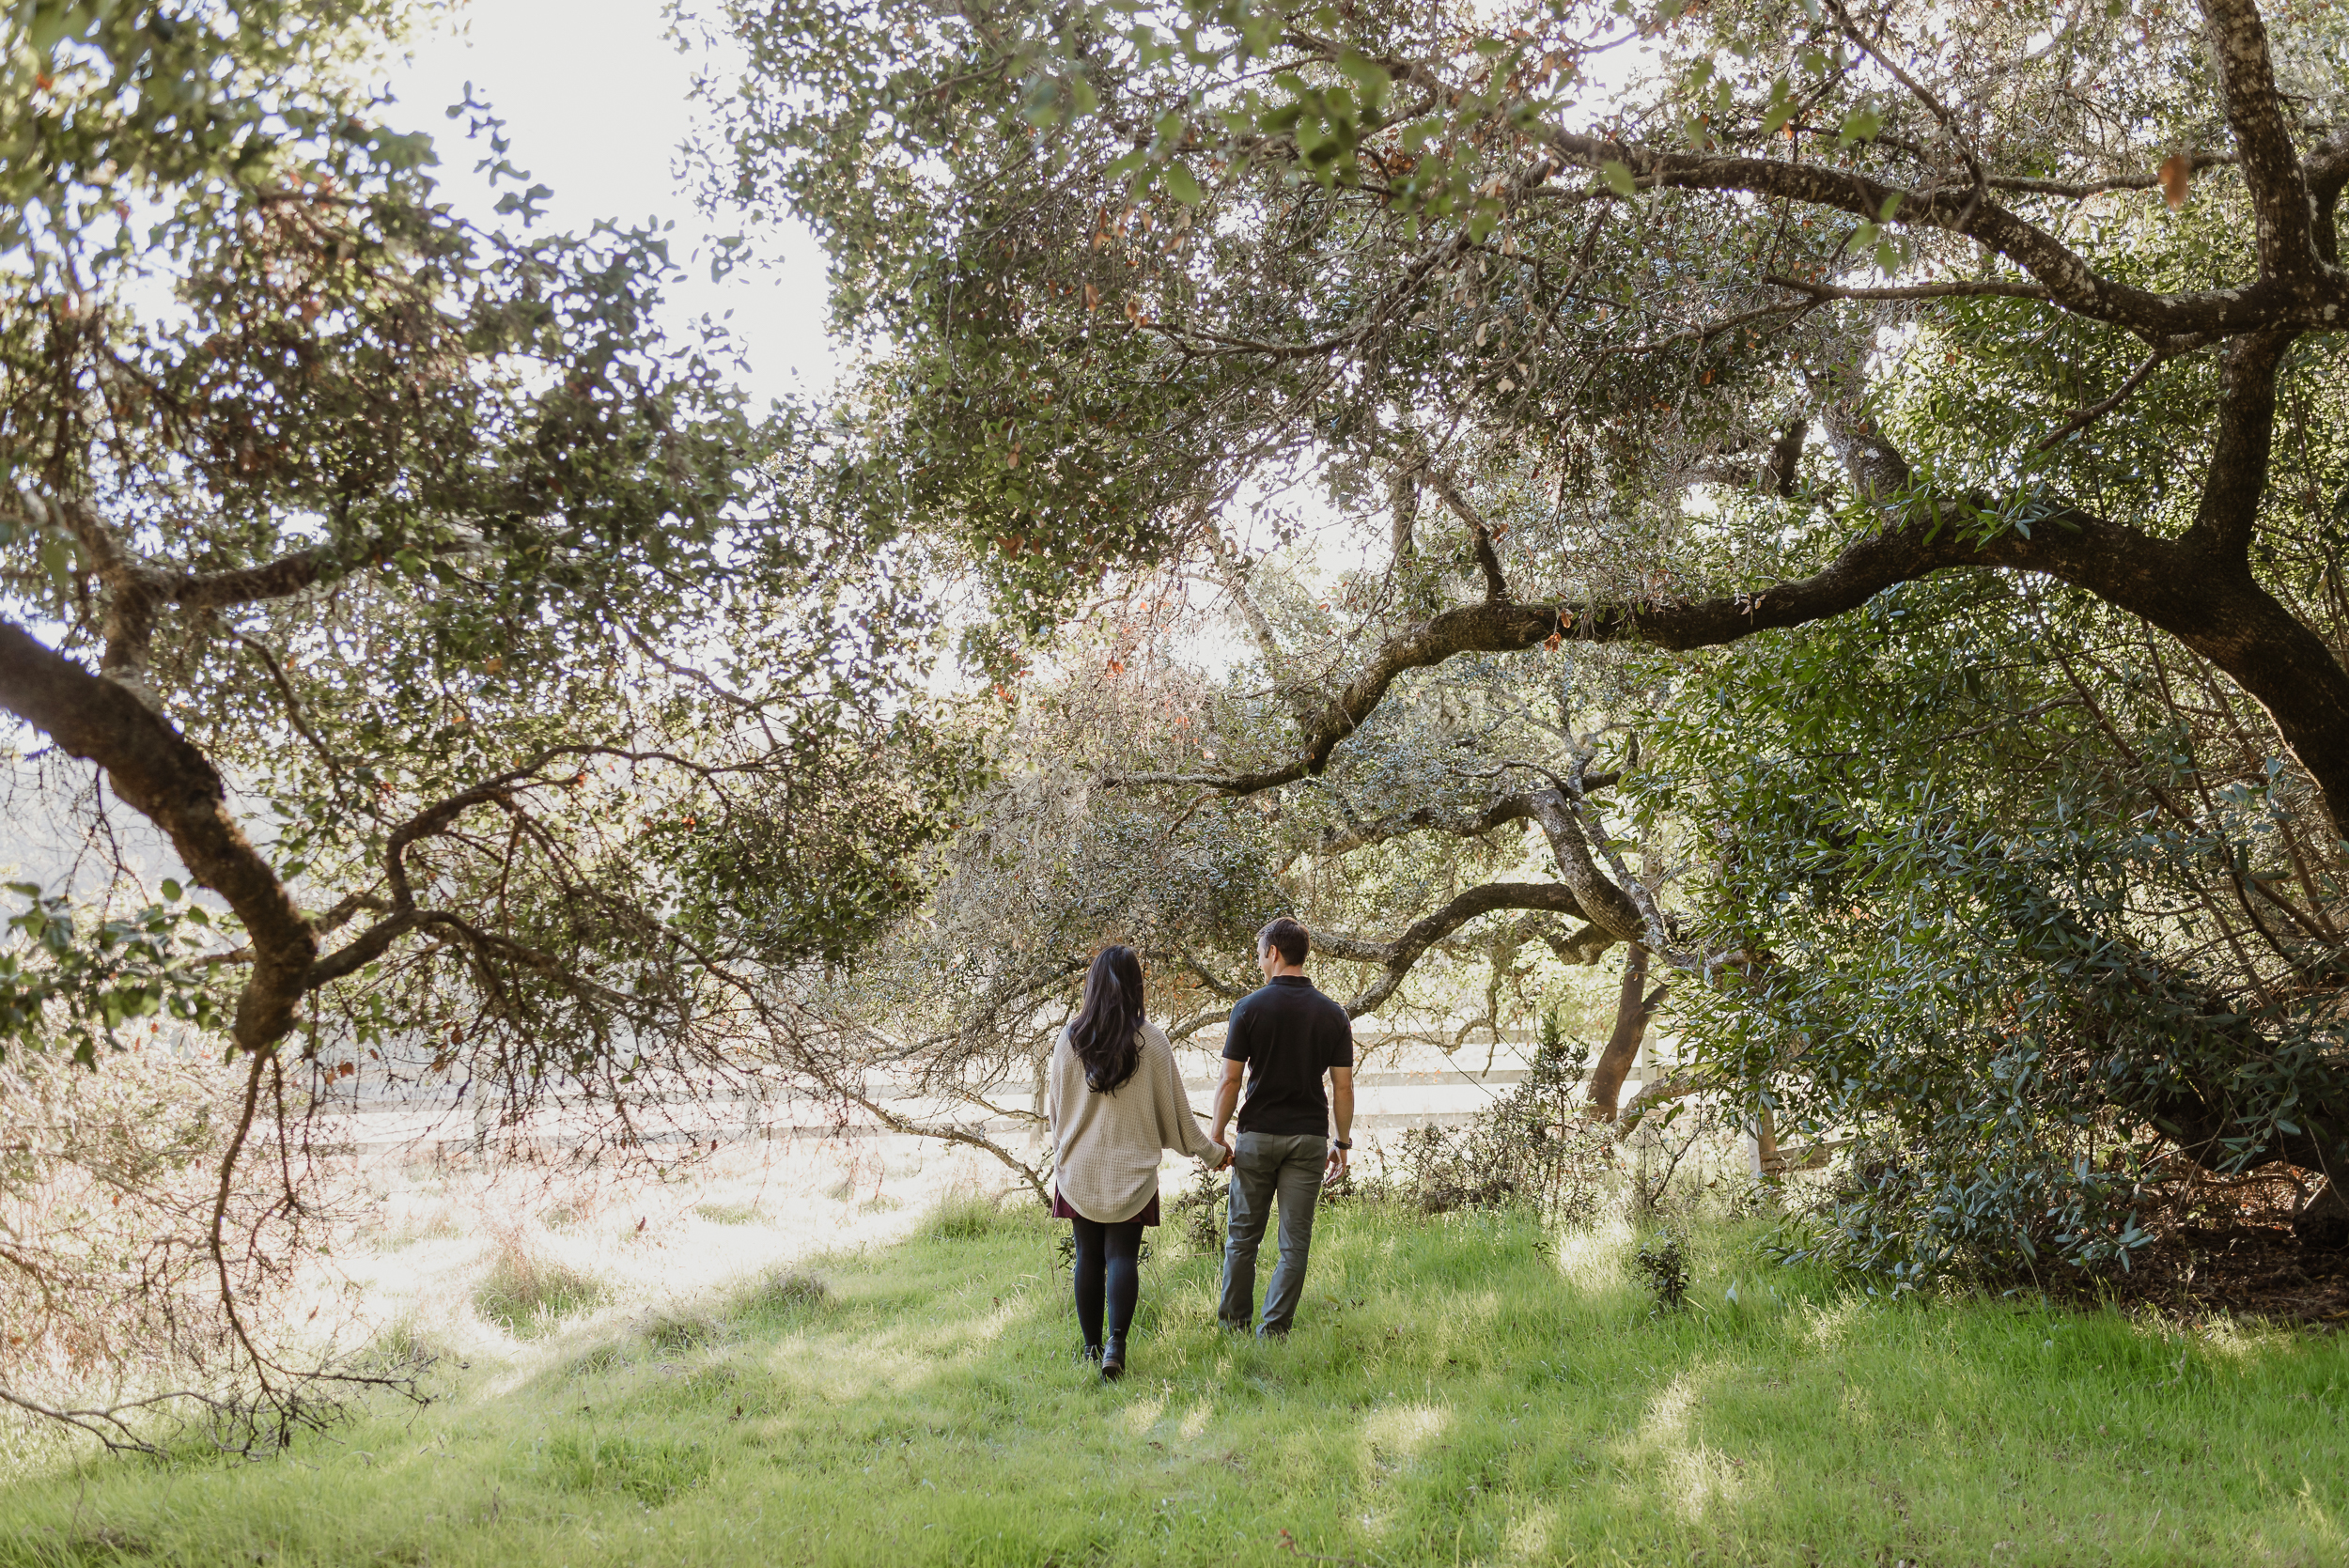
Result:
pixel 1107 1033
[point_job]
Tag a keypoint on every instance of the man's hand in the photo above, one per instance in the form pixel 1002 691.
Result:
pixel 1337 1167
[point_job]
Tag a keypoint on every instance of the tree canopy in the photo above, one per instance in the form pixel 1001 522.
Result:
pixel 516 696
pixel 1670 327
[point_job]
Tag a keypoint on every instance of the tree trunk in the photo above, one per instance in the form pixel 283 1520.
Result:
pixel 1632 1013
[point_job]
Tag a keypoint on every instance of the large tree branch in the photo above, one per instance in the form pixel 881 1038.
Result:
pixel 1962 210
pixel 1359 833
pixel 2326 169
pixel 1865 567
pixel 159 773
pixel 1605 903
pixel 1976 288
pixel 280 578
pixel 2197 587
pixel 1581 948
pixel 1496 585
pixel 2271 167
pixel 2069 281
pixel 2236 479
pixel 1397 957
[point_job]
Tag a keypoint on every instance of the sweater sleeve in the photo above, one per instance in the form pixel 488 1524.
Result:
pixel 1052 1088
pixel 1178 1124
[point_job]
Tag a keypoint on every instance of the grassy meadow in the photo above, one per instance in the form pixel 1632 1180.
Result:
pixel 1463 1390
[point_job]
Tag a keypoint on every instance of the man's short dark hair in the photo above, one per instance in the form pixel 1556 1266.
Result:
pixel 1285 934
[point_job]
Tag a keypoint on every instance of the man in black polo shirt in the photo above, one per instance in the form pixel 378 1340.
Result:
pixel 1281 1038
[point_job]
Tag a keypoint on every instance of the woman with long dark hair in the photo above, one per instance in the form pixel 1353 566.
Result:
pixel 1116 1101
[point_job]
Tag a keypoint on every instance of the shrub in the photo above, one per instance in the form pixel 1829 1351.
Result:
pixel 1201 1210
pixel 1536 1148
pixel 1664 1261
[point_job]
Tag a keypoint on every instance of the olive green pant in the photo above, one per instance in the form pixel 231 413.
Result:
pixel 1266 1168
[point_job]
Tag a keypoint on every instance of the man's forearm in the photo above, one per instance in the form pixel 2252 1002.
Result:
pixel 1341 1107
pixel 1226 1101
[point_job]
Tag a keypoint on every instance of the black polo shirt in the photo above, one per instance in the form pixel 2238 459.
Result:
pixel 1289 1034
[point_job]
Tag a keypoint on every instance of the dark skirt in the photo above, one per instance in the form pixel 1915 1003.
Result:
pixel 1062 1211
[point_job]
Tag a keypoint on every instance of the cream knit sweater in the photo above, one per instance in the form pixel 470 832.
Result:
pixel 1107 1144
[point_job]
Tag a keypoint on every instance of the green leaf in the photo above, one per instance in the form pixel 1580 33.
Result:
pixel 1183 185
pixel 58 560
pixel 1370 79
pixel 1618 176
pixel 1860 125
pixel 171 890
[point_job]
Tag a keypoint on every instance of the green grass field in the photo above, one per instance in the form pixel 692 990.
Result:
pixel 1458 1390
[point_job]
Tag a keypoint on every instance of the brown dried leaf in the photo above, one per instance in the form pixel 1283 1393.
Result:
pixel 2176 173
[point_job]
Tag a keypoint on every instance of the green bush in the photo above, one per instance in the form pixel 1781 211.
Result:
pixel 1663 1263
pixel 1536 1149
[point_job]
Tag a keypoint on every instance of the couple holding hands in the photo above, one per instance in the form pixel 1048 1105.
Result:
pixel 1116 1100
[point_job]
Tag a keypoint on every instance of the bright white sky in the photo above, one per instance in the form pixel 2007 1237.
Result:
pixel 594 101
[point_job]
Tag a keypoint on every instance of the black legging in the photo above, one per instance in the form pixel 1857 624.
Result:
pixel 1109 1262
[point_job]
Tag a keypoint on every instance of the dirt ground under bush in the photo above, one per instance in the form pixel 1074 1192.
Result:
pixel 2235 1252
pixel 2245 1270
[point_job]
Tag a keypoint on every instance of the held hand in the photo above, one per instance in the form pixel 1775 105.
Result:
pixel 1337 1167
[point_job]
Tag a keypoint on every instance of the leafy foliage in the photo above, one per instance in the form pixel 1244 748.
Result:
pixel 1662 1261
pixel 1537 1149
pixel 59 988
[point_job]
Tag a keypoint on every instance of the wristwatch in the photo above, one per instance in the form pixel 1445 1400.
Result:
pixel 1340 1143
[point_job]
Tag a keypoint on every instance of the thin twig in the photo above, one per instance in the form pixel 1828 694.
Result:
pixel 2094 412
